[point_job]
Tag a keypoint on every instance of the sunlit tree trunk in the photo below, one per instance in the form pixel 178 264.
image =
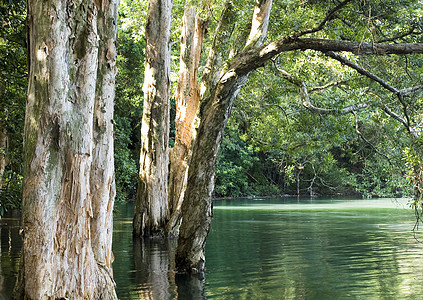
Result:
pixel 68 153
pixel 187 99
pixel 152 210
pixel 221 85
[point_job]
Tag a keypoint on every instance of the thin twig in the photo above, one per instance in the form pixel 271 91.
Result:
pixel 322 24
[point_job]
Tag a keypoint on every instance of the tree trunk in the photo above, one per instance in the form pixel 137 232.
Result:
pixel 68 178
pixel 3 153
pixel 215 108
pixel 187 99
pixel 152 210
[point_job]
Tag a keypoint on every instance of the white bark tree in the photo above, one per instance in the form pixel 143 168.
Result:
pixel 187 99
pixel 152 210
pixel 198 139
pixel 223 78
pixel 68 191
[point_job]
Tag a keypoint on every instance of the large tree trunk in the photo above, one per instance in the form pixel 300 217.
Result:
pixel 187 99
pixel 152 210
pixel 68 178
pixel 221 87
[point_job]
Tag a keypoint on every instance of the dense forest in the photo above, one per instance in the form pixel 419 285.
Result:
pixel 273 144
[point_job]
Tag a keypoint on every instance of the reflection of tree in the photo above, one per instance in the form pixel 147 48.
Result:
pixel 10 247
pixel 154 274
pixel 2 295
pixel 152 267
pixel 190 286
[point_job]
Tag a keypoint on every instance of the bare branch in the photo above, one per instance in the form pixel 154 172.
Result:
pixel 324 111
pixel 362 71
pixel 406 92
pixel 357 130
pixel 306 98
pixel 223 33
pixel 328 17
pixel 330 84
pixel 394 115
pixel 282 109
pixel 392 39
pixel 400 119
pixel 259 24
pixel 399 93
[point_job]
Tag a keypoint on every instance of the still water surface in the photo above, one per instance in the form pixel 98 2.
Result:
pixel 270 249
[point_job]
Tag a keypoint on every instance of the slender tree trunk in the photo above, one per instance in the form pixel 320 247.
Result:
pixel 187 99
pixel 68 179
pixel 152 210
pixel 3 153
pixel 221 87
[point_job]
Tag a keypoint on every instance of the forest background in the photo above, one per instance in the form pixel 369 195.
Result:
pixel 275 143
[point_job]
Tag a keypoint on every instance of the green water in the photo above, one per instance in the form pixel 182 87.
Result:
pixel 314 250
pixel 271 249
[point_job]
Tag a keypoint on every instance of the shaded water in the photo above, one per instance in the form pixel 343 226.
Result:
pixel 270 249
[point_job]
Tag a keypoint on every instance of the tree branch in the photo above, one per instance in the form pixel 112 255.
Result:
pixel 328 17
pixel 362 71
pixel 330 84
pixel 399 93
pixel 223 33
pixel 392 39
pixel 250 60
pixel 324 111
pixel 408 91
pixel 357 130
pixel 306 98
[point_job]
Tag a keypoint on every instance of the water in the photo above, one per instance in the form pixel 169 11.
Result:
pixel 270 249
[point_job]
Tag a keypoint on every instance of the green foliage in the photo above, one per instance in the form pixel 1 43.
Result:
pixel 13 86
pixel 11 193
pixel 129 97
pixel 414 161
pixel 272 144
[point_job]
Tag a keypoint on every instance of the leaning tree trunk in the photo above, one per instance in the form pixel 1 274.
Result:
pixel 152 210
pixel 187 99
pixel 221 87
pixel 68 178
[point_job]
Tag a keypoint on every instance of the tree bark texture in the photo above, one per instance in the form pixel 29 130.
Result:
pixel 187 100
pixel 152 210
pixel 68 188
pixel 215 108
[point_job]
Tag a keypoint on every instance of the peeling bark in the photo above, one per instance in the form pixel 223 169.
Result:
pixel 215 108
pixel 187 100
pixel 151 210
pixel 67 208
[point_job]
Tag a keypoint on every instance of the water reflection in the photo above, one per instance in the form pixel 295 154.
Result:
pixel 270 249
pixel 293 251
pixel 143 268
pixel 10 246
pixel 152 268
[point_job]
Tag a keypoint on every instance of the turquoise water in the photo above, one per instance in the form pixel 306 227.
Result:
pixel 270 249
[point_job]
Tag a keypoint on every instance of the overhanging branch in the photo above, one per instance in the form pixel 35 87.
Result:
pixel 306 102
pixel 362 71
pixel 247 61
pixel 399 93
